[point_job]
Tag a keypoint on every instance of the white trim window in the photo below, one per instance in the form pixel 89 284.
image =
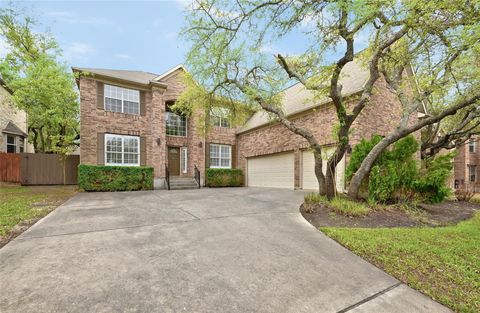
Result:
pixel 184 160
pixel 11 144
pixel 122 150
pixel 220 156
pixel 472 146
pixel 220 117
pixel 118 99
pixel 176 125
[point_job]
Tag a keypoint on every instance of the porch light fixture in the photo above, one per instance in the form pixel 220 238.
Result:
pixel 159 141
pixel 200 144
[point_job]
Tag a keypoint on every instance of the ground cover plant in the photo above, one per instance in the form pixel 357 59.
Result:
pixel 441 262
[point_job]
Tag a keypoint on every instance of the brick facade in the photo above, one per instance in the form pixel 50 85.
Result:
pixel 461 163
pixel 95 122
pixel 378 117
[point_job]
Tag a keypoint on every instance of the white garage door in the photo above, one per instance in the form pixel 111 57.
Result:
pixel 274 170
pixel 309 179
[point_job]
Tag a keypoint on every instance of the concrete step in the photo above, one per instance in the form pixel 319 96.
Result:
pixel 183 183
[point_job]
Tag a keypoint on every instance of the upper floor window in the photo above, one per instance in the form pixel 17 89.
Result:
pixel 176 123
pixel 118 99
pixel 219 117
pixel 122 150
pixel 472 146
pixel 220 156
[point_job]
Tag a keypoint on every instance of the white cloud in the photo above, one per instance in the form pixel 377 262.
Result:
pixel 73 18
pixel 79 51
pixel 122 56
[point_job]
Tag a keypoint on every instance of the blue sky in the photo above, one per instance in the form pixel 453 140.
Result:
pixel 132 35
pixel 135 35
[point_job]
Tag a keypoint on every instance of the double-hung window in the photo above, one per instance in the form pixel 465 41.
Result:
pixel 472 146
pixel 11 144
pixel 220 156
pixel 122 150
pixel 118 99
pixel 219 117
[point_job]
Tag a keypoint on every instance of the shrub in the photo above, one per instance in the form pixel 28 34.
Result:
pixel 395 176
pixel 114 178
pixel 431 183
pixel 359 152
pixel 224 177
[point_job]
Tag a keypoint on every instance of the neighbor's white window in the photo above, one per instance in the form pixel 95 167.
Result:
pixel 184 160
pixel 220 117
pixel 472 145
pixel 220 156
pixel 118 99
pixel 122 150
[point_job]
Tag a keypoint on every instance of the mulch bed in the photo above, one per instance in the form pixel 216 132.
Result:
pixel 445 213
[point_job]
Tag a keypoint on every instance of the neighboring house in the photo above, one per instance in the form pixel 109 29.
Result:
pixel 13 124
pixel 126 120
pixel 466 164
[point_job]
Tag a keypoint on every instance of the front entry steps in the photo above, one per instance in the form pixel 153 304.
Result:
pixel 177 183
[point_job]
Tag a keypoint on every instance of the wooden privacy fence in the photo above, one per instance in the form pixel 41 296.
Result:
pixel 40 168
pixel 10 167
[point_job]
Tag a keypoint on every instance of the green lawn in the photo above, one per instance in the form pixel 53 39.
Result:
pixel 23 204
pixel 442 262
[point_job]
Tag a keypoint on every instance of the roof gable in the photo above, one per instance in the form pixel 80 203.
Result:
pixel 11 128
pixel 170 72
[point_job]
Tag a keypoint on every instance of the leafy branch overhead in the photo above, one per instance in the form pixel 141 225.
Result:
pixel 413 46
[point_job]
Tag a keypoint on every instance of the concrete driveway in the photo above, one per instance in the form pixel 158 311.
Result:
pixel 208 250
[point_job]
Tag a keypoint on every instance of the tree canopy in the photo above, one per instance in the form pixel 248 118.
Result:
pixel 43 86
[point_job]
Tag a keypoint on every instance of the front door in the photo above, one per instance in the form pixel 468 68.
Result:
pixel 174 161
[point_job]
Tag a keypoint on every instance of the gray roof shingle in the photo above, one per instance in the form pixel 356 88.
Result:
pixel 11 128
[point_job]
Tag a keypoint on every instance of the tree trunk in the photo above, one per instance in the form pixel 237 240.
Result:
pixel 330 187
pixel 319 173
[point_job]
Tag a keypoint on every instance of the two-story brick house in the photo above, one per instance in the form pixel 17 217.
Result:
pixel 126 120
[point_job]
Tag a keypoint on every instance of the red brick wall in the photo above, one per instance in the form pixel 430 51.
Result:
pixel 462 160
pixel 152 126
pixel 94 121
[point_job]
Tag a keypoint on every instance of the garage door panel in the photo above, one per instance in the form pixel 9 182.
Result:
pixel 275 170
pixel 309 180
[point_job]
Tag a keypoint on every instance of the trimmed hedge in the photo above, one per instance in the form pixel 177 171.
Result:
pixel 114 178
pixel 224 177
